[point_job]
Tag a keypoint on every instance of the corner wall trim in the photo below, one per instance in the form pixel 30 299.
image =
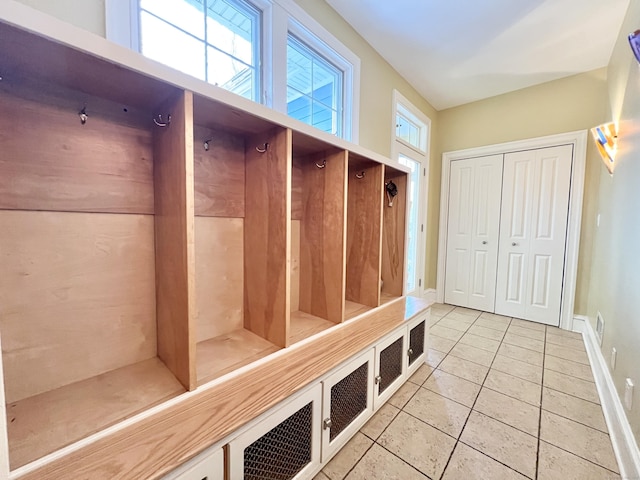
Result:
pixel 624 443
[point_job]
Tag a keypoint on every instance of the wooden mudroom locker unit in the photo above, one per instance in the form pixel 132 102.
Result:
pixel 175 260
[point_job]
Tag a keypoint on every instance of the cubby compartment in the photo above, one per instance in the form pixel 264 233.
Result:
pixel 394 210
pixel 93 291
pixel 241 180
pixel 364 235
pixel 318 217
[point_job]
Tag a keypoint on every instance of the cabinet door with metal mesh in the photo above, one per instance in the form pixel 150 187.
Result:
pixel 347 402
pixel 283 446
pixel 417 344
pixel 390 366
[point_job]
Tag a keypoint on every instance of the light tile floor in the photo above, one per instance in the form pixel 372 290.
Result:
pixel 499 398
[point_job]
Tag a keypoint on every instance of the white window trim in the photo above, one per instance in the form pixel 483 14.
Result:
pixel 279 18
pixel 318 38
pixel 400 147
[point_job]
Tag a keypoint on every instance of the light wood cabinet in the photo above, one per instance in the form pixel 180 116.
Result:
pixel 160 236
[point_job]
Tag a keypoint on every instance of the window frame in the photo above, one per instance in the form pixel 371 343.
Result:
pixel 401 147
pixel 279 18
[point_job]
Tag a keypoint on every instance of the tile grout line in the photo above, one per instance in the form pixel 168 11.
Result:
pixel 470 412
pixel 582 458
pixel 570 395
pixel 544 356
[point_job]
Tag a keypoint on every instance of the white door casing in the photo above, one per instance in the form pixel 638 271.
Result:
pixel 578 140
pixel 533 229
pixel 472 236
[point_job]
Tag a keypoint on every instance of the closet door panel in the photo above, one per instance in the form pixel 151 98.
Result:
pixel 550 209
pixel 484 242
pixel 459 232
pixel 533 232
pixel 514 233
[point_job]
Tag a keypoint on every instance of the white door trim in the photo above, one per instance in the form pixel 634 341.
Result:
pixel 579 141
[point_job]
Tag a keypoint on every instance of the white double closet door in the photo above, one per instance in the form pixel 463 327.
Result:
pixel 506 233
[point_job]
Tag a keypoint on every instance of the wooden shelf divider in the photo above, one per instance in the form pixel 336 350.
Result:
pixel 393 234
pixel 174 242
pixel 267 235
pixel 322 234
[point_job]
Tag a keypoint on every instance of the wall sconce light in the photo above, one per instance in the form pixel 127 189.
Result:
pixel 606 140
pixel 634 41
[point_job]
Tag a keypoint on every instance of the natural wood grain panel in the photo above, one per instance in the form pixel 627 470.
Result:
pixel 175 256
pixel 154 446
pixel 50 161
pixel 47 422
pixel 364 233
pixel 229 118
pixel 296 191
pixel 219 173
pixel 304 325
pixel 393 235
pixel 77 297
pixel 387 297
pixel 295 265
pixel 353 309
pixel 323 235
pixel 219 276
pixel 26 55
pixel 267 236
pixel 230 351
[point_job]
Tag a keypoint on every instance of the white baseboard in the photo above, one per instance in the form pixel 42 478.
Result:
pixel 429 295
pixel 579 322
pixel 624 443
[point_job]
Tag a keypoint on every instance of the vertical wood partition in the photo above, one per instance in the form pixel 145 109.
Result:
pixel 174 226
pixel 393 237
pixel 267 235
pixel 323 235
pixel 364 231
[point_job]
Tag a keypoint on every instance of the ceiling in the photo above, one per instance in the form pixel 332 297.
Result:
pixel 458 51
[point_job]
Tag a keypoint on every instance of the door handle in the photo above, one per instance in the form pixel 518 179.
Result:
pixel 514 244
pixel 484 242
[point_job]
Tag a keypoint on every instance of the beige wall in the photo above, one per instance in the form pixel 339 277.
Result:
pixel 615 269
pixel 574 103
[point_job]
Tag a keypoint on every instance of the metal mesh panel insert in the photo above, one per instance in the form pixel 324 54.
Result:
pixel 390 364
pixel 416 342
pixel 283 451
pixel 348 399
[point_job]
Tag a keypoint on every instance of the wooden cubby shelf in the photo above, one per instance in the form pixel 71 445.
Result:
pixel 175 236
pixel 241 170
pixel 318 195
pixel 92 316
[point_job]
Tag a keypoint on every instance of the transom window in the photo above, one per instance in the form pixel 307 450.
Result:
pixel 214 40
pixel 410 130
pixel 314 88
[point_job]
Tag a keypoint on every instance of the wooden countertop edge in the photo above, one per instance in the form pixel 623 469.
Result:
pixel 157 444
